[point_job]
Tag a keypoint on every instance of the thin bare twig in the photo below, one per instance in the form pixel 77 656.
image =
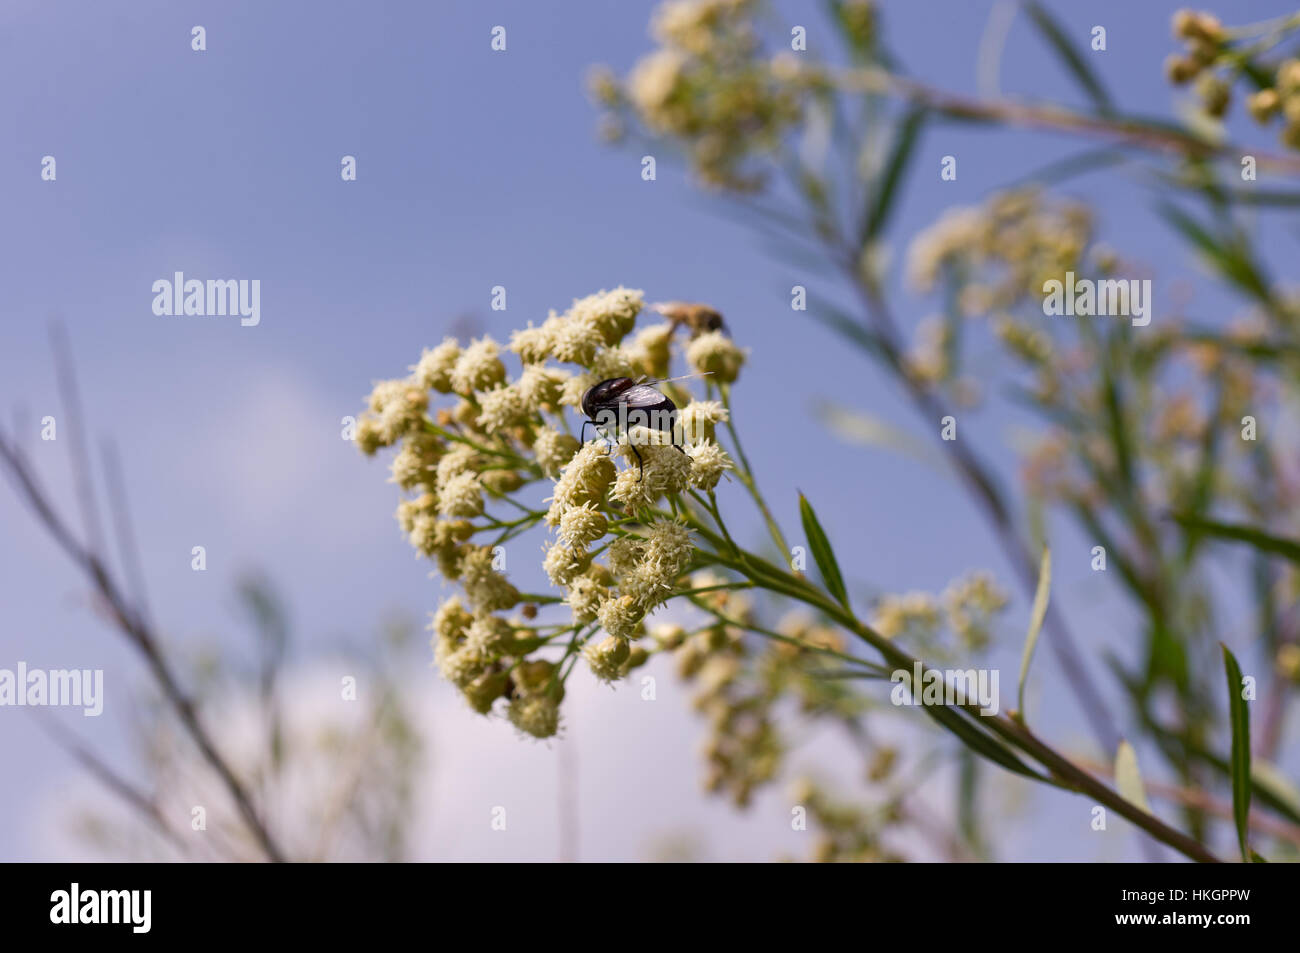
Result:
pixel 128 552
pixel 1125 131
pixel 70 398
pixel 1263 823
pixel 127 619
pixel 107 776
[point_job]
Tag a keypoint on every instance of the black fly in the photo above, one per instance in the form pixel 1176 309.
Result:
pixel 616 404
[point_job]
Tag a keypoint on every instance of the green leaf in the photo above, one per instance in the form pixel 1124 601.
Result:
pixel 1239 715
pixel 1228 259
pixel 1036 617
pixel 978 741
pixel 1070 55
pixel 1176 745
pixel 1054 173
pixel 967 728
pixel 1260 350
pixel 886 190
pixel 1241 533
pixel 822 552
pixel 1202 489
pixel 1266 778
pixel 863 429
pixel 1276 198
pixel 1127 777
pixel 850 328
pixel 968 790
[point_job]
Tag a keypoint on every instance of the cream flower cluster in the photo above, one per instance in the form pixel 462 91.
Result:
pixel 709 86
pixel 470 436
pixel 1216 58
pixel 1018 239
pixel 739 684
pixel 967 607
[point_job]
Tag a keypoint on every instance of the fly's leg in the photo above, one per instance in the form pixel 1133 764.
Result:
pixel 582 437
pixel 674 436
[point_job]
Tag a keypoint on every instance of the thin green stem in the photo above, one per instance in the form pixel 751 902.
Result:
pixel 871 667
pixel 1065 774
pixel 746 475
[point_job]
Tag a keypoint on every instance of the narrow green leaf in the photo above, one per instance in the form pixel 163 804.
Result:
pixel 1267 198
pixel 1202 489
pixel 1127 777
pixel 1266 778
pixel 978 741
pixel 968 790
pixel 1070 55
pixel 848 674
pixel 1240 718
pixel 1241 533
pixel 886 190
pixel 864 429
pixel 850 328
pixel 1231 263
pixel 1036 617
pixel 1260 350
pixel 1176 745
pixel 1190 229
pixel 822 552
pixel 1054 173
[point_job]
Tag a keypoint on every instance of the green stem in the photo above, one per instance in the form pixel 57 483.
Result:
pixel 747 478
pixel 513 458
pixel 1065 774
pixel 871 667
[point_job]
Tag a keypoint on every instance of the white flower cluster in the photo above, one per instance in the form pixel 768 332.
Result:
pixel 496 434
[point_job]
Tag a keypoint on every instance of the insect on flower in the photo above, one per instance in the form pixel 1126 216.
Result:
pixel 620 403
pixel 699 318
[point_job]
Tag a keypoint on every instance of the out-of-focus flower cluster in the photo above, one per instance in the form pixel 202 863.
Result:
pixel 1139 420
pixel 497 434
pixel 1281 99
pixel 1014 242
pixel 739 681
pixel 991 259
pixel 967 608
pixel 1215 58
pixel 848 833
pixel 710 87
pixel 1204 51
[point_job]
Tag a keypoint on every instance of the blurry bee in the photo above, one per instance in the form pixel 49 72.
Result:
pixel 616 404
pixel 699 318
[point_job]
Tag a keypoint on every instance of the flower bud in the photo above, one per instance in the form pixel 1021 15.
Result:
pixel 1215 94
pixel 1264 105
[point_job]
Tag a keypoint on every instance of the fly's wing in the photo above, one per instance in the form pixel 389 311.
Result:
pixel 670 380
pixel 648 407
pixel 640 395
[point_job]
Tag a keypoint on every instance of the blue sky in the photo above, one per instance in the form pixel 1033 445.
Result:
pixel 475 169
